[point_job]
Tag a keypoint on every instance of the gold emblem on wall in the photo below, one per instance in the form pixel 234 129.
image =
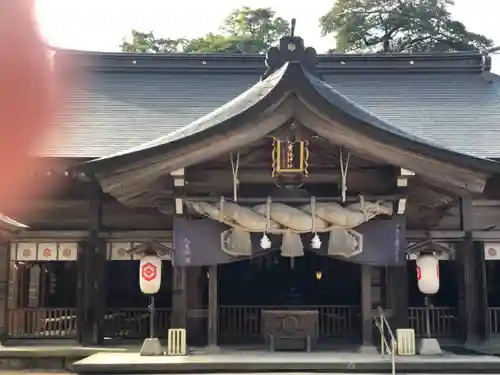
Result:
pixel 290 157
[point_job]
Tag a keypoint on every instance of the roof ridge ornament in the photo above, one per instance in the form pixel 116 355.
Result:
pixel 290 48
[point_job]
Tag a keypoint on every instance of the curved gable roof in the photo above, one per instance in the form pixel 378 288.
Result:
pixel 291 92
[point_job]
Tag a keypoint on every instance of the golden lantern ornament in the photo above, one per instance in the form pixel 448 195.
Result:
pixel 289 157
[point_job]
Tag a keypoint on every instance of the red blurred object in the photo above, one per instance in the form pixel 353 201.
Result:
pixel 27 101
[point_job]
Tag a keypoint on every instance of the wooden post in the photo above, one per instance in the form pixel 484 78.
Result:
pixel 484 318
pixel 99 291
pixel 179 299
pixel 472 294
pixel 4 289
pixel 398 296
pixel 91 267
pixel 82 297
pixel 196 315
pixel 34 286
pixel 213 306
pixel 366 308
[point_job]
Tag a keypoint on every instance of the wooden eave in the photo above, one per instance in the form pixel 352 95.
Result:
pixel 9 226
pixel 290 93
pixel 429 245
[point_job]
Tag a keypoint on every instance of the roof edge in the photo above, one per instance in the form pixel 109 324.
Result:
pixel 370 124
pixel 469 61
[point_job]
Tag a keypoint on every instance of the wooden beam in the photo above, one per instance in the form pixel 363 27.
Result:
pixel 486 236
pixel 33 235
pixel 257 200
pixel 224 177
pixel 485 203
pixel 402 182
pixel 166 235
pixel 139 235
pixel 451 235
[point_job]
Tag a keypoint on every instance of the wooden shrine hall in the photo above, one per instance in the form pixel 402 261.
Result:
pixel 291 185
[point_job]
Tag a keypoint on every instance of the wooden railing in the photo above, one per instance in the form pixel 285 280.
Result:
pixel 133 323
pixel 41 323
pixel 494 320
pixel 243 323
pixel 443 320
pixel 236 323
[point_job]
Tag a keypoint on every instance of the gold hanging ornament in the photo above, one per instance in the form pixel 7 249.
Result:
pixel 289 157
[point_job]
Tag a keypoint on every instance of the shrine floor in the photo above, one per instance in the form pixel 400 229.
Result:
pixel 125 359
pixel 262 361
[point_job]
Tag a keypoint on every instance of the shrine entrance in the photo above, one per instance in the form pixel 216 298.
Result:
pixel 294 157
pixel 275 283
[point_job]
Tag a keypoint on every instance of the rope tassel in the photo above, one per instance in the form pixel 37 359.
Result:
pixel 291 246
pixel 240 242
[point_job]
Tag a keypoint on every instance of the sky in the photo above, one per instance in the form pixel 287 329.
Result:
pixel 100 25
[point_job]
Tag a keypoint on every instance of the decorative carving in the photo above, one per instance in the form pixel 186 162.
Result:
pixel 291 48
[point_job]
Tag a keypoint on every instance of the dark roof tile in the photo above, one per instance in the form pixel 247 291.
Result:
pixel 113 111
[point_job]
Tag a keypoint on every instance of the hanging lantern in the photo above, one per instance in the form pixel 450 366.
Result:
pixel 289 157
pixel 428 273
pixel 150 274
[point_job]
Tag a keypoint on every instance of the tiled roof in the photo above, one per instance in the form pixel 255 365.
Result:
pixel 444 99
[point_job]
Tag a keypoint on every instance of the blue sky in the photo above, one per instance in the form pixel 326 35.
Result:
pixel 100 25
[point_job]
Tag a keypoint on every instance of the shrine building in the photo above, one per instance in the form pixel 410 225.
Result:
pixel 292 182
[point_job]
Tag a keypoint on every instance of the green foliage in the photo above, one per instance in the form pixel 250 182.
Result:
pixel 245 30
pixel 258 28
pixel 220 44
pixel 147 42
pixel 398 26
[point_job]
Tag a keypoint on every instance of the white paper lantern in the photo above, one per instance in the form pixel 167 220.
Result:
pixel 150 274
pixel 428 274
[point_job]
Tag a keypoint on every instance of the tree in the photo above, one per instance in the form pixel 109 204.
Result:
pixel 398 26
pixel 147 42
pixel 257 28
pixel 245 30
pixel 219 43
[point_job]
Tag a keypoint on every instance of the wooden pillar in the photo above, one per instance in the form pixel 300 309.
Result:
pixel 196 315
pixel 179 298
pixel 398 296
pixel 213 306
pixel 4 289
pixel 34 286
pixel 366 307
pixel 484 320
pixel 91 267
pixel 82 295
pixel 99 290
pixel 472 292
